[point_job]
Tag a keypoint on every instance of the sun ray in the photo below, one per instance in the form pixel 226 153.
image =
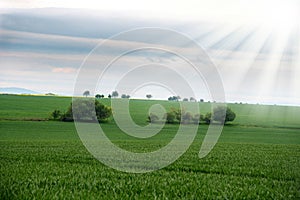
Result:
pixel 252 49
pixel 271 65
pixel 295 82
pixel 240 55
pixel 217 36
pixel 284 74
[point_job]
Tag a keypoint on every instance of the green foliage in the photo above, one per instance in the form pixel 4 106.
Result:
pixel 207 118
pixel 86 93
pixel 174 98
pixel 114 94
pixel 192 99
pixel 56 114
pixel 149 96
pixel 170 117
pixel 230 115
pixel 87 110
pixel 219 114
pixel 175 116
pixel 21 107
pixel 223 114
pixel 152 118
pixel 99 96
pixel 125 96
pixel 197 118
pixel 187 118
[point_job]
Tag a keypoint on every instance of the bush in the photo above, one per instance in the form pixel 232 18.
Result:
pixel 152 118
pixel 102 112
pixel 207 118
pixel 221 114
pixel 197 118
pixel 187 117
pixel 85 110
pixel 230 115
pixel 56 114
pixel 175 116
pixel 170 117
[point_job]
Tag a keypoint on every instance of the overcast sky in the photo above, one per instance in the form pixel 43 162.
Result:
pixel 254 44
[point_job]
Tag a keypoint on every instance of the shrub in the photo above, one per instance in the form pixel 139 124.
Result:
pixel 230 115
pixel 223 114
pixel 56 114
pixel 207 118
pixel 152 118
pixel 187 117
pixel 197 118
pixel 86 110
pixel 175 116
pixel 170 117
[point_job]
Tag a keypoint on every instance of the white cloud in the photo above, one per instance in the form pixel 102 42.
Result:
pixel 63 70
pixel 48 62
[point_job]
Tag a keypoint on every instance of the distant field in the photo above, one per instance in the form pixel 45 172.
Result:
pixel 257 157
pixel 28 107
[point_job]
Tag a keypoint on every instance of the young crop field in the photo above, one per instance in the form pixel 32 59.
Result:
pixel 256 157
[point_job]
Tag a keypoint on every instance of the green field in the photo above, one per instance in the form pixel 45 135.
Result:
pixel 257 157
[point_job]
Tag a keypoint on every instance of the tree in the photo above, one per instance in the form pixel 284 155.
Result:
pixel 207 118
pixel 174 98
pixel 221 114
pixel 187 117
pixel 170 99
pixel 185 99
pixel 170 117
pixel 192 99
pixel 87 110
pixel 201 100
pixel 99 96
pixel 179 116
pixel 230 115
pixel 125 96
pixel 86 93
pixel 103 112
pixel 198 118
pixel 56 114
pixel 109 96
pixel 149 96
pixel 114 94
pixel 153 118
pixel 177 113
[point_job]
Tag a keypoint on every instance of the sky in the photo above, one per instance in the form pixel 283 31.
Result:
pixel 255 46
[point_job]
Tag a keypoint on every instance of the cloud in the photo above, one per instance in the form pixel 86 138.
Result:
pixel 63 70
pixel 43 48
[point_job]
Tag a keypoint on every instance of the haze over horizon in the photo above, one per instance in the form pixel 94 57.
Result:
pixel 255 45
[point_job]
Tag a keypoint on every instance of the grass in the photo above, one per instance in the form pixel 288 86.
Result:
pixel 31 107
pixel 18 107
pixel 46 159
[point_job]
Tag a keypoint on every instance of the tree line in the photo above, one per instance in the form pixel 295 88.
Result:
pixel 88 110
pixel 92 110
pixel 220 114
pixel 115 94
